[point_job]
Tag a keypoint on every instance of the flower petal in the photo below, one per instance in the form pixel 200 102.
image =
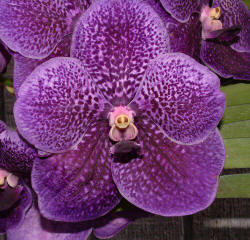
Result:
pixel 225 61
pixel 185 37
pixel 77 185
pixel 23 66
pixel 36 227
pixel 12 217
pixel 4 57
pixel 181 10
pixel 170 179
pixel 59 100
pixel 16 155
pixel 112 223
pixel 3 126
pixel 182 96
pixel 115 39
pixel 235 12
pixel 33 28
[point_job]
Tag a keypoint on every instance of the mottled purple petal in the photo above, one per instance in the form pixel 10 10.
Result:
pixel 115 39
pixel 185 37
pixel 170 179
pixel 112 223
pixel 3 126
pixel 225 61
pixel 59 100
pixel 33 28
pixel 16 155
pixel 12 217
pixel 24 66
pixel 235 12
pixel 36 227
pixel 77 185
pixel 181 10
pixel 182 96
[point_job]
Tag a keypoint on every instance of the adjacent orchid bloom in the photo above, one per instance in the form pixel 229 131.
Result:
pixel 34 28
pixel 220 24
pixel 226 56
pixel 121 124
pixel 15 200
pixel 35 226
pixel 16 159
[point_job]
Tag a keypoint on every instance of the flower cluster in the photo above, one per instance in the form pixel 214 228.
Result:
pixel 114 101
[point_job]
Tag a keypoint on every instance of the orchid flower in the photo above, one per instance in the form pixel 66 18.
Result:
pixel 224 48
pixel 34 28
pixel 16 159
pixel 123 118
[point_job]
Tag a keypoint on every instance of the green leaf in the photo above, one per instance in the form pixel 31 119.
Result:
pixel 237 153
pixel 235 125
pixel 234 186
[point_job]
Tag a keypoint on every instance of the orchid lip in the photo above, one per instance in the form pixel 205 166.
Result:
pixel 210 23
pixel 121 120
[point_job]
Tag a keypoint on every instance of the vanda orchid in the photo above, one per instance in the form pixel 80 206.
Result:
pixel 16 158
pixel 122 117
pixel 223 28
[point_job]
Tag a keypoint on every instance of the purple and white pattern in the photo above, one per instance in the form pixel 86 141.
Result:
pixel 34 28
pixel 182 97
pixel 24 66
pixel 16 155
pixel 181 10
pixel 172 102
pixel 115 40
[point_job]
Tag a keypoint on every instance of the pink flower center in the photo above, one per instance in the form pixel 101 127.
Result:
pixel 121 121
pixel 209 19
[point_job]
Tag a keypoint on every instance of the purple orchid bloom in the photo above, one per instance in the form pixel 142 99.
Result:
pixel 224 48
pixel 16 159
pixel 121 123
pixel 35 226
pixel 34 28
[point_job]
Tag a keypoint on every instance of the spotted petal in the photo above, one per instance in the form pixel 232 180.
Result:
pixel 167 178
pixel 12 217
pixel 185 37
pixel 36 227
pixel 225 61
pixel 24 66
pixel 59 100
pixel 33 28
pixel 235 12
pixel 77 185
pixel 181 10
pixel 16 155
pixel 115 39
pixel 182 96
